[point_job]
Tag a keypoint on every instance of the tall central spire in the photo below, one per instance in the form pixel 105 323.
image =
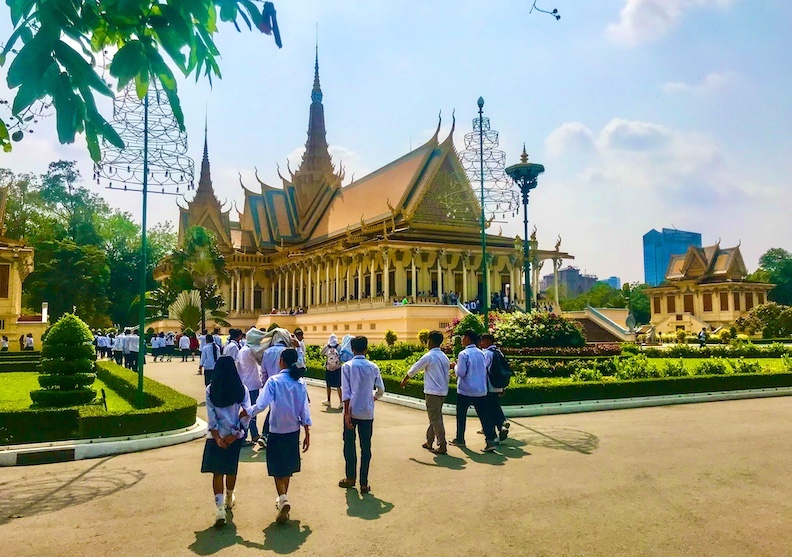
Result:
pixel 205 190
pixel 316 161
pixel 316 94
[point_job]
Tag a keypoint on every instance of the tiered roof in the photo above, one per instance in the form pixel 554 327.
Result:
pixel 707 264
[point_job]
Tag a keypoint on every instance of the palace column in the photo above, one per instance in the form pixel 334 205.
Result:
pixel 360 278
pixel 348 280
pixel 337 265
pixel 252 303
pixel 464 278
pixel 280 290
pixel 301 295
pixel 372 277
pixel 309 300
pixel 272 295
pixel 414 276
pixel 293 274
pixel 327 282
pixel 319 299
pixel 236 290
pixel 440 255
pixel 386 274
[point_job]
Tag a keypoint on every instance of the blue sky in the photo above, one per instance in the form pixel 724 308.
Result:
pixel 645 113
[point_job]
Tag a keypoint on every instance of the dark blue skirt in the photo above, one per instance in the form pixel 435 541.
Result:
pixel 221 461
pixel 283 454
pixel 333 378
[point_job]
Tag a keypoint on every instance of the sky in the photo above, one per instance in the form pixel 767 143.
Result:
pixel 645 113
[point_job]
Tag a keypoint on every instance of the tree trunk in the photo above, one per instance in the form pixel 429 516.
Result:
pixel 203 309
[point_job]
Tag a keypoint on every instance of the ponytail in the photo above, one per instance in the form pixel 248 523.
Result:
pixel 296 372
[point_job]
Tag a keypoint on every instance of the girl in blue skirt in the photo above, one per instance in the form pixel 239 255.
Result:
pixel 226 398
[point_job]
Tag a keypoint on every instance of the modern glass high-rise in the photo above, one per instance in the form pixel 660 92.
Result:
pixel 658 247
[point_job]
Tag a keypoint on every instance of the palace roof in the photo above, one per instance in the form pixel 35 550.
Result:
pixel 707 264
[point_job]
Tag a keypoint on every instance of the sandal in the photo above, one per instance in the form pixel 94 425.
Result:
pixel 346 483
pixel 427 446
pixel 365 488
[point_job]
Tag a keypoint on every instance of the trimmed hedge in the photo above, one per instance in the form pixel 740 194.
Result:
pixel 775 350
pixel 595 390
pixel 589 350
pixel 164 409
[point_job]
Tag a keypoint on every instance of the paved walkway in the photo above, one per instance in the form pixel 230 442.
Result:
pixel 708 479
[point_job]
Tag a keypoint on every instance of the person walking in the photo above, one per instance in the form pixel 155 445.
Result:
pixel 332 369
pixel 209 357
pixel 286 396
pixel 118 349
pixel 184 347
pixel 491 354
pixel 360 378
pixel 134 344
pixel 250 374
pixel 435 366
pixel 127 336
pixel 299 335
pixel 471 371
pixel 233 346
pixel 226 401
pixel 170 345
pixel 702 338
pixel 281 339
pixel 29 344
pixel 194 346
pixel 5 344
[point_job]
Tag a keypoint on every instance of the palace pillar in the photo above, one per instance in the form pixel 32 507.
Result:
pixel 337 269
pixel 440 255
pixel 309 301
pixel 360 278
pixel 348 280
pixel 414 277
pixel 272 295
pixel 464 279
pixel 372 276
pixel 252 303
pixel 386 274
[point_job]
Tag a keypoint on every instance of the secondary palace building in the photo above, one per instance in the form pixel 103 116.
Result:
pixel 343 255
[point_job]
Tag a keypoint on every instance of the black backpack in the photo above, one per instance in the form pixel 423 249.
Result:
pixel 500 372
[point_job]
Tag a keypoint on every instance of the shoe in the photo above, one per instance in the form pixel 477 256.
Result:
pixel 325 403
pixel 427 446
pixel 504 432
pixel 220 517
pixel 440 451
pixel 496 441
pixel 480 432
pixel 262 442
pixel 230 501
pixel 284 507
pixel 490 448
pixel 457 443
pixel 346 483
pixel 365 489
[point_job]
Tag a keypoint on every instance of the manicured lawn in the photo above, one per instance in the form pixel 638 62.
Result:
pixel 15 392
pixel 772 364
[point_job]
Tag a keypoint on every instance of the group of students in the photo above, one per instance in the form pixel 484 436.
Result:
pixel 123 347
pixel 266 373
pixel 26 342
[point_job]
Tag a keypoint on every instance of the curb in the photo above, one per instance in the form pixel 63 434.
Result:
pixel 550 409
pixel 68 451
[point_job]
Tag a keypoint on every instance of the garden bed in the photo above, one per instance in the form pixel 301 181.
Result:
pixel 164 409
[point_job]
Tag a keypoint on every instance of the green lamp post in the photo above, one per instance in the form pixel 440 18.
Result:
pixel 525 176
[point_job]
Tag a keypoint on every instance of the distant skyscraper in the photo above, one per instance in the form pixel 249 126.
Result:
pixel 658 247
pixel 613 282
pixel 571 281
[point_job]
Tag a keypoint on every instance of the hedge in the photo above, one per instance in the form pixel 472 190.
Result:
pixel 164 409
pixel 775 350
pixel 596 390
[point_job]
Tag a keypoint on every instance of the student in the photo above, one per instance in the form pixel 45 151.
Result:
pixel 118 349
pixel 29 342
pixel 133 341
pixel 286 397
pixel 332 369
pixel 298 334
pixel 435 366
pixel 184 347
pixel 22 342
pixel 209 356
pixel 158 346
pixel 170 344
pixel 250 373
pixel 471 371
pixel 270 367
pixel 359 379
pixel 218 339
pixel 194 346
pixel 202 340
pixel 233 346
pixel 4 344
pixel 702 337
pixel 127 335
pixel 494 394
pixel 226 399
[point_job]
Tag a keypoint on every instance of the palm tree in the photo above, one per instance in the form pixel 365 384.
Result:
pixel 200 266
pixel 187 309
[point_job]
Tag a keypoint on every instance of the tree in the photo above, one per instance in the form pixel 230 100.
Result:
pixel 775 267
pixel 187 309
pixel 639 301
pixel 54 48
pixel 601 295
pixel 772 319
pixel 198 265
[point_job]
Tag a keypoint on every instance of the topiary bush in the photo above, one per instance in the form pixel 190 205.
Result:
pixel 713 366
pixel 67 364
pixel 390 337
pixel 423 336
pixel 520 330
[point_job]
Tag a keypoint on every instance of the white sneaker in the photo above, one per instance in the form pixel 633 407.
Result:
pixel 220 517
pixel 325 403
pixel 229 501
pixel 283 509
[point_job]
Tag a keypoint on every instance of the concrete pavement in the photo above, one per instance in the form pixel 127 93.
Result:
pixel 705 479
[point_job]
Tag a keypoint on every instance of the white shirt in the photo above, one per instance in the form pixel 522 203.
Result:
pixel 435 366
pixel 201 341
pixel 209 355
pixel 133 341
pixel 471 369
pixel 359 379
pixel 101 341
pixel 118 343
pixel 169 341
pixel 157 342
pixel 248 369
pixel 125 343
pixel 287 400
pixel 301 354
pixel 270 362
pixel 231 349
pixel 488 355
pixel 184 342
pixel 218 340
pixel 226 420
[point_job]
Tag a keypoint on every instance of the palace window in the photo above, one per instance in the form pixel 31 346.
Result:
pixel 724 301
pixel 373 326
pixel 687 300
pixel 360 326
pixel 737 306
pixel 707 301
pixel 324 327
pixel 656 304
pixel 749 301
pixel 760 298
pixel 5 274
pixel 346 326
pixel 671 303
pixel 335 327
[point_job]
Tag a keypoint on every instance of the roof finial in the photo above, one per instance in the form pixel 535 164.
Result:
pixel 316 94
pixel 524 156
pixel 439 123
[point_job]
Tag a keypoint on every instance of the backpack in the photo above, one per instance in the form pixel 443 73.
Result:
pixel 500 372
pixel 333 359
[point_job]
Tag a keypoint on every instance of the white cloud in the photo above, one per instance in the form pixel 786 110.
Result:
pixel 712 82
pixel 570 137
pixel 646 20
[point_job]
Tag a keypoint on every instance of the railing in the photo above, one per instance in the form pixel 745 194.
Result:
pixel 609 325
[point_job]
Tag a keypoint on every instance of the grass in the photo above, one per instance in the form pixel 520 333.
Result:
pixel 772 365
pixel 15 392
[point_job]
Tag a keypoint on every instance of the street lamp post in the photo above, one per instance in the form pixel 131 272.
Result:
pixel 525 176
pixel 484 276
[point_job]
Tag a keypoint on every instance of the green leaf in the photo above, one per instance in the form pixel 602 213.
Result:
pixel 228 10
pixel 31 61
pixel 128 62
pixel 142 84
pixel 17 135
pixel 80 69
pixel 26 96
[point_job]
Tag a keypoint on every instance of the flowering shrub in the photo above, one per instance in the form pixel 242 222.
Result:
pixel 521 330
pixel 599 349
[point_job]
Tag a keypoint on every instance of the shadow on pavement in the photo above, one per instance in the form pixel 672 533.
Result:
pixel 39 495
pixel 366 506
pixel 285 538
pixel 212 540
pixel 558 438
pixel 253 454
pixel 443 461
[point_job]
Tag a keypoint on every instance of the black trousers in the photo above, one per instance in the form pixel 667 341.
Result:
pixel 119 357
pixel 495 411
pixel 480 404
pixel 365 429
